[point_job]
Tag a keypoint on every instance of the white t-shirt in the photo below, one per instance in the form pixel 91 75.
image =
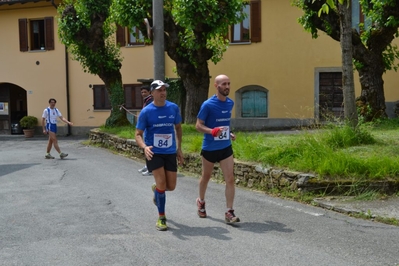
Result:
pixel 51 115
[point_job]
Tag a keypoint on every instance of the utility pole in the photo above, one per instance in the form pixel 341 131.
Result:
pixel 159 46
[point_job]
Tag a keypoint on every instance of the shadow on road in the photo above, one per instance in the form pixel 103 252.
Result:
pixel 10 168
pixel 183 231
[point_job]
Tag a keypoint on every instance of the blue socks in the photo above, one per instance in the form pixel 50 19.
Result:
pixel 160 199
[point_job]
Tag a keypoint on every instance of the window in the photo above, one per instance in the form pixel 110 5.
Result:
pixel 129 37
pixel 248 30
pixel 252 101
pixel 36 34
pixel 101 98
pixel 358 17
pixel 135 36
pixel 133 99
pixel 331 97
pixel 254 104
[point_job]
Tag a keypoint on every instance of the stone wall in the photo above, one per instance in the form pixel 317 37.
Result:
pixel 253 175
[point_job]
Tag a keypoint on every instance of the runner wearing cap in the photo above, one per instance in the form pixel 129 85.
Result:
pixel 161 120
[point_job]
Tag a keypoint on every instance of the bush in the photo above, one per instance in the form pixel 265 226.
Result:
pixel 28 122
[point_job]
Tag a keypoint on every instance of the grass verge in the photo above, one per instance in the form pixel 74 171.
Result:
pixel 369 152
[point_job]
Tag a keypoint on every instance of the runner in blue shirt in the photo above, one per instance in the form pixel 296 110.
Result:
pixel 161 120
pixel 213 120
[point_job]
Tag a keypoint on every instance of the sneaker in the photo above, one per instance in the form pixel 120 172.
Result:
pixel 48 156
pixel 153 187
pixel 201 209
pixel 144 169
pixel 230 217
pixel 147 173
pixel 161 224
pixel 63 155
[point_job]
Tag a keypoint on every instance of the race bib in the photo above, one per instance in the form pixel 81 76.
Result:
pixel 163 140
pixel 225 134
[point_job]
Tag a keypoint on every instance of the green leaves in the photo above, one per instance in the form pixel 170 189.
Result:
pixel 324 9
pixel 85 28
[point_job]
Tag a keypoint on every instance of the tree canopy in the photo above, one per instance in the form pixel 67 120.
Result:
pixel 373 51
pixel 195 32
pixel 85 28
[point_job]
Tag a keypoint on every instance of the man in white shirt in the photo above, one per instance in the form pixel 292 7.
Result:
pixel 49 124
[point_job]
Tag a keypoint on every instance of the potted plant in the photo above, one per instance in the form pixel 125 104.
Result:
pixel 28 124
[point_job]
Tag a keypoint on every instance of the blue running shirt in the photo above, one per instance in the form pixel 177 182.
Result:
pixel 158 124
pixel 216 113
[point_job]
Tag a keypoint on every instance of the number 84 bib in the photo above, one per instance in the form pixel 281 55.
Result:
pixel 163 140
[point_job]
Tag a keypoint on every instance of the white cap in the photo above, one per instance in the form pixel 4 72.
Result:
pixel 156 84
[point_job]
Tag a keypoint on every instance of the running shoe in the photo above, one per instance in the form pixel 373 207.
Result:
pixel 201 209
pixel 153 187
pixel 161 224
pixel 63 155
pixel 48 156
pixel 144 169
pixel 147 173
pixel 230 217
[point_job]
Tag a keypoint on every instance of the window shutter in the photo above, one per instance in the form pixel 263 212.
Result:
pixel 138 97
pixel 255 21
pixel 96 97
pixel 49 33
pixel 120 36
pixel 133 98
pixel 254 104
pixel 260 104
pixel 101 98
pixel 128 97
pixel 23 34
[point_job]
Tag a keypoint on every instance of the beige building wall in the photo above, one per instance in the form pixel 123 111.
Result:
pixel 286 63
pixel 40 73
pixel 137 64
pixel 43 73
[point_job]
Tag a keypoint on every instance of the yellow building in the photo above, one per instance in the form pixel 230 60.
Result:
pixel 279 74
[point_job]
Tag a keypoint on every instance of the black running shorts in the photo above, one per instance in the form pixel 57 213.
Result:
pixel 218 155
pixel 167 161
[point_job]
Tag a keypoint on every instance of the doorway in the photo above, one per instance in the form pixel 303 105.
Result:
pixel 13 106
pixel 329 96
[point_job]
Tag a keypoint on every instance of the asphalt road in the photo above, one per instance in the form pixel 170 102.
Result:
pixel 94 208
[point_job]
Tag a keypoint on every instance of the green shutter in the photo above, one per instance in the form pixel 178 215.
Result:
pixel 254 104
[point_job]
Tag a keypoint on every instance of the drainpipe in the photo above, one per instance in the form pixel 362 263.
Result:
pixel 67 89
pixel 66 81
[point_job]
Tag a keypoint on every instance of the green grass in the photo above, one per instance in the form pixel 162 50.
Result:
pixel 370 151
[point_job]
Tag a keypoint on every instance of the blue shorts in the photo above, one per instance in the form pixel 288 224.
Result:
pixel 51 127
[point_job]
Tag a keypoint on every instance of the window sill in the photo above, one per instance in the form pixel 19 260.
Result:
pixel 239 43
pixel 37 51
pixel 134 45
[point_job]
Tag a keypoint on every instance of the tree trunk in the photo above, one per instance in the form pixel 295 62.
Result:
pixel 196 83
pixel 113 85
pixel 345 12
pixel 367 52
pixel 371 102
pixel 93 48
